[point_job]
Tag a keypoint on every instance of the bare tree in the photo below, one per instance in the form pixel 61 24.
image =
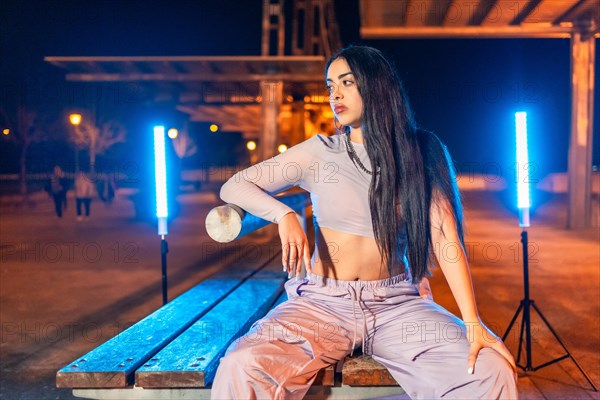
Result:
pixel 97 139
pixel 184 145
pixel 25 128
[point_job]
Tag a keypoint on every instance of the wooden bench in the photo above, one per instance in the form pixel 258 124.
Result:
pixel 173 353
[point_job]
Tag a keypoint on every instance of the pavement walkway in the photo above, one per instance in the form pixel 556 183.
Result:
pixel 68 286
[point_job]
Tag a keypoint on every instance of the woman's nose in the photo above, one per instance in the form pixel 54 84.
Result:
pixel 335 94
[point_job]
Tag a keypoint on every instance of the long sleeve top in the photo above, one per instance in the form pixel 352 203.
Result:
pixel 339 190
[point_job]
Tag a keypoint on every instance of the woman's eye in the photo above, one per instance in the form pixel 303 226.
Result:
pixel 347 83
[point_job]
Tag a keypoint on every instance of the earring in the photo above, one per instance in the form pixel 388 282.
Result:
pixel 338 125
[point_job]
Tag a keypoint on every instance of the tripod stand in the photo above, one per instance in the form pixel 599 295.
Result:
pixel 525 306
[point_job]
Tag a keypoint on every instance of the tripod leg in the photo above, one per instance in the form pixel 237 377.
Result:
pixel 512 321
pixel 523 322
pixel 563 346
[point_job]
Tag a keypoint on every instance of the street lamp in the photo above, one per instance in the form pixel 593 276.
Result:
pixel 172 133
pixel 251 145
pixel 6 132
pixel 75 120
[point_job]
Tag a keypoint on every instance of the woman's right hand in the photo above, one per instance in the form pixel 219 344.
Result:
pixel 294 245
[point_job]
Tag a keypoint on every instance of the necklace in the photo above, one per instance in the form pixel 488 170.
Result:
pixel 353 156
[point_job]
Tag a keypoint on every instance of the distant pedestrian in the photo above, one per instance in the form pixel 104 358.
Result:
pixel 84 191
pixel 57 190
pixel 109 187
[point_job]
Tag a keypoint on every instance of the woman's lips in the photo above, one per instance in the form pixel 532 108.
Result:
pixel 339 108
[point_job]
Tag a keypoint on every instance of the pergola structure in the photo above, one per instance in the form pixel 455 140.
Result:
pixel 265 97
pixel 578 20
pixel 269 96
pixel 239 93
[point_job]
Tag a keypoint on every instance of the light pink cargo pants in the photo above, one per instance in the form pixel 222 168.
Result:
pixel 424 347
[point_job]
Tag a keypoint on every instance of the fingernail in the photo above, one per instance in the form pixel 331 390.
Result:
pixel 284 268
pixel 289 275
pixel 470 371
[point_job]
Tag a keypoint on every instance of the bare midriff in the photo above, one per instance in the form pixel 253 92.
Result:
pixel 345 256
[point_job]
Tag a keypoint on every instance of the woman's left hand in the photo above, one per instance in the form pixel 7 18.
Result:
pixel 480 336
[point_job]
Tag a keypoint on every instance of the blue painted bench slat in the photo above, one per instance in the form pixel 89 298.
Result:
pixel 192 358
pixel 113 364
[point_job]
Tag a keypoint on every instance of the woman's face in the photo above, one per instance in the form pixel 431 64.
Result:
pixel 344 98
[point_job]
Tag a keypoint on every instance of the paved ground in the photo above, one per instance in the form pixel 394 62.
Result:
pixel 67 286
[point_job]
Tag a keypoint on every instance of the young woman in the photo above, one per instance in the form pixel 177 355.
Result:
pixel 385 204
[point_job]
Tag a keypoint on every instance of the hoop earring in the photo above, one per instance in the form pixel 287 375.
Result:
pixel 338 125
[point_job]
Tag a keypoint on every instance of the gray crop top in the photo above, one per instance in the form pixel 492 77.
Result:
pixel 338 189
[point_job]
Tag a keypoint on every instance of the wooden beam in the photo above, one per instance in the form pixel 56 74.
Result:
pixel 582 120
pixel 403 7
pixel 523 31
pixel 200 77
pixel 525 11
pixel 459 12
pixel 439 15
pixel 568 14
pixel 481 12
pixel 236 59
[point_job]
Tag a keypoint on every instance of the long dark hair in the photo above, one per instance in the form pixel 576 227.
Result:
pixel 414 168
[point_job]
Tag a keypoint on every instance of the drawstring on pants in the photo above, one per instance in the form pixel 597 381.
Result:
pixel 356 299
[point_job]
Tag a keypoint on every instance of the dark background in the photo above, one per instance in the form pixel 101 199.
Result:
pixel 465 90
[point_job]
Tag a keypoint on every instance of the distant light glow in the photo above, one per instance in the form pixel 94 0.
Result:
pixel 172 133
pixel 75 119
pixel 282 148
pixel 213 128
pixel 6 131
pixel 251 145
pixel 160 173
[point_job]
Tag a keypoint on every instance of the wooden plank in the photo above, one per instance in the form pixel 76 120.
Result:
pixel 191 360
pixel 325 377
pixel 314 393
pixel 365 371
pixel 113 363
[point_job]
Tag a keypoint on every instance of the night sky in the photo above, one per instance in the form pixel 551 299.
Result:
pixel 464 90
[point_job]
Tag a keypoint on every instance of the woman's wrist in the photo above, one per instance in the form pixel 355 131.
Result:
pixel 285 215
pixel 472 319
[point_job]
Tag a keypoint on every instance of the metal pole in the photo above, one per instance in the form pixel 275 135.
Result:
pixel 164 249
pixel 526 300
